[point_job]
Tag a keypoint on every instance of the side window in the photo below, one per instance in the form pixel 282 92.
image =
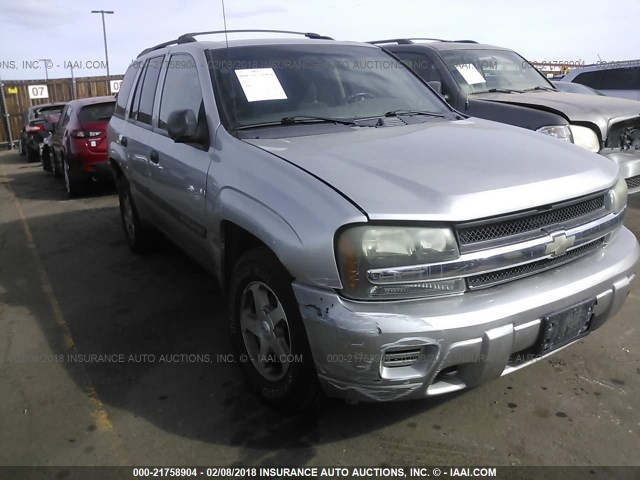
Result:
pixel 64 119
pixel 590 79
pixel 125 89
pixel 145 91
pixel 621 79
pixel 421 64
pixel 181 90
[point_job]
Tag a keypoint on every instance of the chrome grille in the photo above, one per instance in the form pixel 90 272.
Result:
pixel 527 222
pixel 633 182
pixel 509 274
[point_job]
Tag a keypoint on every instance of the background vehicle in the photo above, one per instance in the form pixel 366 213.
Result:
pixel 616 81
pixel 370 239
pixel 36 128
pixel 570 87
pixel 46 147
pixel 498 84
pixel 79 147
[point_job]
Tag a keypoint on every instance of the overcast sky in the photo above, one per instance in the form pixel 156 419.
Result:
pixel 65 31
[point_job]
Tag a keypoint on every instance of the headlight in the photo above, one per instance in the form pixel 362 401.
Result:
pixel 369 258
pixel 585 137
pixel 616 199
pixel 558 131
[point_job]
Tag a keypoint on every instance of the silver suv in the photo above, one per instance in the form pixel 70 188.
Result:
pixel 373 243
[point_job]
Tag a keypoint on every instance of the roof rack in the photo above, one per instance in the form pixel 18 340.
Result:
pixel 189 37
pixel 410 41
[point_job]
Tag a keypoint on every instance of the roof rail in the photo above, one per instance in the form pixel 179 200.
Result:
pixel 189 37
pixel 404 41
pixel 410 41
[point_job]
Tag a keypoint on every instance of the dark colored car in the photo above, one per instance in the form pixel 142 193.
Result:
pixel 35 128
pixel 79 144
pixel 46 147
pixel 575 88
pixel 497 84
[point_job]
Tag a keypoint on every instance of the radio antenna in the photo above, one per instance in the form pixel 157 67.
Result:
pixel 224 19
pixel 229 66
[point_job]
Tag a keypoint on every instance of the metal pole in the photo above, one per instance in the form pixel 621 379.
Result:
pixel 104 35
pixel 46 68
pixel 73 85
pixel 7 121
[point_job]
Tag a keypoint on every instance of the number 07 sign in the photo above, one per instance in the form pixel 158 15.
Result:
pixel 38 91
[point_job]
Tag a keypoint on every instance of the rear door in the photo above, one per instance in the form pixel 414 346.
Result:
pixel 138 133
pixel 179 170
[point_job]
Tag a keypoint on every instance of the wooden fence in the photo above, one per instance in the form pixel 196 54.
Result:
pixel 16 99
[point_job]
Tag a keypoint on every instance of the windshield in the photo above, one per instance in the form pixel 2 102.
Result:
pixel 266 84
pixel 96 112
pixel 45 111
pixel 479 71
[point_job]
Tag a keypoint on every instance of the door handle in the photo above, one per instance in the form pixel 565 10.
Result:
pixel 154 156
pixel 123 141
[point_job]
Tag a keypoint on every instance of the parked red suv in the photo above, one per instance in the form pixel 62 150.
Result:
pixel 80 143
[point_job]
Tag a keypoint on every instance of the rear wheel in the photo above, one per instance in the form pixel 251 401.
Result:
pixel 55 168
pixel 33 154
pixel 140 238
pixel 46 159
pixel 268 334
pixel 74 188
pixel 21 149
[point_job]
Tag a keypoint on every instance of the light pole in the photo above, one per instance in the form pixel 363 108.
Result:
pixel 47 62
pixel 104 34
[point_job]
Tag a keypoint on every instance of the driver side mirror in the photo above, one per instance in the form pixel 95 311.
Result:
pixel 436 85
pixel 182 126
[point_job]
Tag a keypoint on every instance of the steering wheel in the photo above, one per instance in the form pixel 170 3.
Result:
pixel 359 97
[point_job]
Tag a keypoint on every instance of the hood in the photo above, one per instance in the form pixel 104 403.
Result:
pixel 446 170
pixel 576 107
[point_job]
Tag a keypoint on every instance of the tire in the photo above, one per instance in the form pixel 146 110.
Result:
pixel 266 327
pixel 54 164
pixel 140 238
pixel 32 155
pixel 74 188
pixel 46 160
pixel 21 149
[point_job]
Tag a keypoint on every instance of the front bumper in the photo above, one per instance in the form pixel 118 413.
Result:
pixel 473 336
pixel 629 163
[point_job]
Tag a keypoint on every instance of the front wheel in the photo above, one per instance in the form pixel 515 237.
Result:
pixel 268 333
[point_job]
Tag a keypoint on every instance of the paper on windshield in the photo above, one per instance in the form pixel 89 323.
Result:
pixel 260 84
pixel 470 73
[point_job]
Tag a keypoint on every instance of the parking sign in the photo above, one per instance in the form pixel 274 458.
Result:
pixel 115 86
pixel 38 91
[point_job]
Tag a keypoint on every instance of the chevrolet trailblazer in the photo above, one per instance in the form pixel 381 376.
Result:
pixel 373 243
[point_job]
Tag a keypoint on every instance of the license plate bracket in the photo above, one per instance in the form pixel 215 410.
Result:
pixel 565 326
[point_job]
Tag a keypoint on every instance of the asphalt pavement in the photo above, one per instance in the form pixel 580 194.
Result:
pixel 107 358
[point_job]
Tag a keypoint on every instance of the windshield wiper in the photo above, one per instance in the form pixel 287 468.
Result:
pixel 395 113
pixel 499 90
pixel 546 89
pixel 311 119
pixel 296 120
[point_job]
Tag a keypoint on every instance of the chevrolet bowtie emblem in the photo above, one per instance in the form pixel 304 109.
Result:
pixel 559 244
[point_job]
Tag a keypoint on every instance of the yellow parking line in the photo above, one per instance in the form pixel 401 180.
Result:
pixel 99 414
